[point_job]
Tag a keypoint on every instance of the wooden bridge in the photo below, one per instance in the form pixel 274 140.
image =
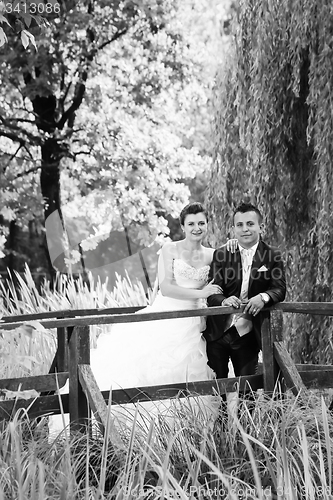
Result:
pixel 72 361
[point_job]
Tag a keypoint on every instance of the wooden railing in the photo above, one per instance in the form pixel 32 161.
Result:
pixel 72 361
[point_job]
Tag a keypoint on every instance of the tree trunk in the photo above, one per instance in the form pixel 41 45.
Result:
pixel 54 224
pixel 11 246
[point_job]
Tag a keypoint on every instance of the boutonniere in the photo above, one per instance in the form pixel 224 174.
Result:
pixel 262 269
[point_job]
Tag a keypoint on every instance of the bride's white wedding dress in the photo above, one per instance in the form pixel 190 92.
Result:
pixel 156 353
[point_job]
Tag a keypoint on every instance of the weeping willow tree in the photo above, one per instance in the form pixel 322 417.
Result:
pixel 274 146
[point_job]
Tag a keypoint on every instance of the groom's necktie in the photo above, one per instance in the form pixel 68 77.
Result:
pixel 243 322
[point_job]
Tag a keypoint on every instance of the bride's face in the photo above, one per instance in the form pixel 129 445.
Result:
pixel 195 226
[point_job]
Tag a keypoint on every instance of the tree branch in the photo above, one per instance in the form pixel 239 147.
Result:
pixel 11 158
pixel 22 120
pixel 14 137
pixel 29 152
pixel 80 87
pixel 77 153
pixel 22 174
pixel 113 39
pixel 62 100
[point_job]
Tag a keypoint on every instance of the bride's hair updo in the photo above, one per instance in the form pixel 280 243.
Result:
pixel 192 208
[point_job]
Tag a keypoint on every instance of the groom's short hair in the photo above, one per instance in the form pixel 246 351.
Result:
pixel 192 208
pixel 248 207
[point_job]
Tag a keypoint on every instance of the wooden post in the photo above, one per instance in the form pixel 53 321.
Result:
pixel 277 324
pixel 62 350
pixel 277 336
pixel 288 367
pixel 60 360
pixel 79 353
pixel 97 404
pixel 268 363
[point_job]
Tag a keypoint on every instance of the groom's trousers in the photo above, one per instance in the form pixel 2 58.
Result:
pixel 243 352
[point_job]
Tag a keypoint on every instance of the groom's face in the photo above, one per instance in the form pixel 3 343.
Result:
pixel 247 228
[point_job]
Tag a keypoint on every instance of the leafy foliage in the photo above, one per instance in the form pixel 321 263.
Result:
pixel 19 16
pixel 101 113
pixel 273 130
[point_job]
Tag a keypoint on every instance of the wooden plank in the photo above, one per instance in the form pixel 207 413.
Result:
pixel 288 368
pixel 311 367
pixel 70 313
pixel 182 390
pixel 38 382
pixel 129 318
pixel 98 406
pixel 304 367
pixel 321 308
pixel 37 407
pixel 79 353
pixel 50 404
pixel 317 379
pixel 100 317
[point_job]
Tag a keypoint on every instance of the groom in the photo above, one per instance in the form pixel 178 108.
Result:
pixel 254 275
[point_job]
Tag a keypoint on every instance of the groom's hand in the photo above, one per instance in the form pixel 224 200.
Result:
pixel 254 305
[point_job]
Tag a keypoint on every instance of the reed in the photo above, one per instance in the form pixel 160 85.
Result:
pixel 277 448
pixel 29 350
pixel 281 449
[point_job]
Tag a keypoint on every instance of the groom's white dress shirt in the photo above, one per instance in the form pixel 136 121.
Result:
pixel 241 321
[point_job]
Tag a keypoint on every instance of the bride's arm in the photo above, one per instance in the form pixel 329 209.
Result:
pixel 169 287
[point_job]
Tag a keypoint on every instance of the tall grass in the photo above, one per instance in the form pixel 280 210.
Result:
pixel 280 447
pixel 29 350
pixel 20 295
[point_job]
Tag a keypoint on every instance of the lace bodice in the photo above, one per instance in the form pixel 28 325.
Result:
pixel 188 276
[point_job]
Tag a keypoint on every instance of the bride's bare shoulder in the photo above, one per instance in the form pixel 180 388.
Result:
pixel 209 252
pixel 169 249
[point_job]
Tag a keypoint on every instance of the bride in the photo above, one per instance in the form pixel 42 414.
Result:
pixel 164 351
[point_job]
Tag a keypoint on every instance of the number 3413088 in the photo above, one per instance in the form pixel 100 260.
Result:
pixel 23 7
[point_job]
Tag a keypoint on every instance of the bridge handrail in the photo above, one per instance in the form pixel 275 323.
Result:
pixel 321 308
pixel 127 318
pixel 73 335
pixel 68 313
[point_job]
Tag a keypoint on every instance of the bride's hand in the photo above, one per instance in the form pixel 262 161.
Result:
pixel 211 289
pixel 232 245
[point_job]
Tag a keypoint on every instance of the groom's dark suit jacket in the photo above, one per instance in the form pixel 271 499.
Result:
pixel 267 275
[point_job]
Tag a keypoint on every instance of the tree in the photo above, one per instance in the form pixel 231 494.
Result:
pixel 273 145
pixel 60 115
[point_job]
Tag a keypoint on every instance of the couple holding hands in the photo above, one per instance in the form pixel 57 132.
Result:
pixel 191 276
